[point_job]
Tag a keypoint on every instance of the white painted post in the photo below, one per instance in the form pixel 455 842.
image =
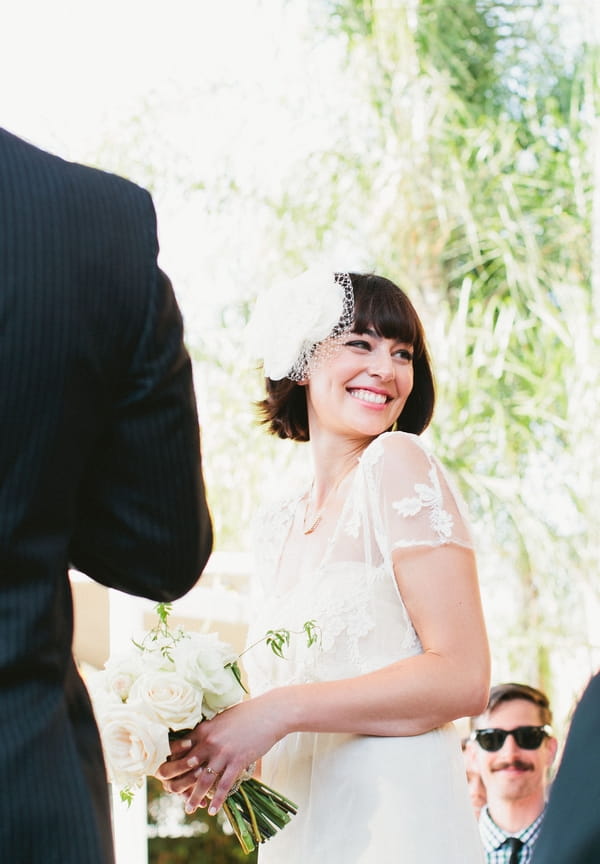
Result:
pixel 129 823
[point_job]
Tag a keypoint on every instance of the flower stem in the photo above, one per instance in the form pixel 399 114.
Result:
pixel 239 827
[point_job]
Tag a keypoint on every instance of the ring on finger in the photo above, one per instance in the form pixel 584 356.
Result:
pixel 209 770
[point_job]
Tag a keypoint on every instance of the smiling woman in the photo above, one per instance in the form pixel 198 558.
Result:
pixel 380 309
pixel 376 550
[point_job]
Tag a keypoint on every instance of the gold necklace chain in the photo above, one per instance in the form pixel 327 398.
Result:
pixel 317 520
pixel 314 525
pixel 319 514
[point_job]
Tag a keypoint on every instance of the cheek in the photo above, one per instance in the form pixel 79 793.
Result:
pixel 405 380
pixel 543 765
pixel 485 768
pixel 477 789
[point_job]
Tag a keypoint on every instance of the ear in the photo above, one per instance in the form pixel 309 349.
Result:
pixel 551 748
pixel 470 754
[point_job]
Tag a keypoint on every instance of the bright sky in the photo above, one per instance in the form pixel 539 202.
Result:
pixel 172 94
pixel 71 66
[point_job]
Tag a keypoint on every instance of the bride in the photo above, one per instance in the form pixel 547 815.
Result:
pixel 376 549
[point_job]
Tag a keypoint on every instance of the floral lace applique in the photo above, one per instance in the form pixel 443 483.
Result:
pixel 431 497
pixel 270 525
pixel 344 608
pixel 352 523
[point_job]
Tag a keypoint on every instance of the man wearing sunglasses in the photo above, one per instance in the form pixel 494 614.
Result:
pixel 514 749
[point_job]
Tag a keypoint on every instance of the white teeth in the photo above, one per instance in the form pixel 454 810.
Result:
pixel 369 396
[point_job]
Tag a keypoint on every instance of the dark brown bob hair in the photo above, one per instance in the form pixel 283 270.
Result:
pixel 383 306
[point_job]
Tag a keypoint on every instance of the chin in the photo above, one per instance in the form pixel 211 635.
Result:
pixel 371 434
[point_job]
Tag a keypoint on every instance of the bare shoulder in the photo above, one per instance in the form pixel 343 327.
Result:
pixel 398 447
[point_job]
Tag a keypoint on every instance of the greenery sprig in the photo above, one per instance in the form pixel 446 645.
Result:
pixel 279 640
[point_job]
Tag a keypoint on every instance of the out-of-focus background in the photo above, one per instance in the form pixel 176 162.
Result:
pixel 452 146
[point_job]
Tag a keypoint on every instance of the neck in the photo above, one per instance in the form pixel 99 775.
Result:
pixel 332 462
pixel 331 469
pixel 515 815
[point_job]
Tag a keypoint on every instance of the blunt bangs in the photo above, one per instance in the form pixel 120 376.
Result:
pixel 380 305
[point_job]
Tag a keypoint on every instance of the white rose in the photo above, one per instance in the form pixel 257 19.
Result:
pixel 103 700
pixel 225 693
pixel 169 698
pixel 203 661
pixel 134 744
pixel 291 317
pixel 121 670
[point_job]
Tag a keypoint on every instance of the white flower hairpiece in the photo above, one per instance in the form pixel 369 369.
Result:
pixel 291 318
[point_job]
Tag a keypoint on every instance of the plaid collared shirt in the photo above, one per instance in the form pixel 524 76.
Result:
pixel 497 850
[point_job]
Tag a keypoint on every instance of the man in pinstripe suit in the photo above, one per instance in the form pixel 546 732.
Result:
pixel 99 468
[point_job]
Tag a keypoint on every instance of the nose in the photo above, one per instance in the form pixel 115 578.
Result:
pixel 510 746
pixel 381 364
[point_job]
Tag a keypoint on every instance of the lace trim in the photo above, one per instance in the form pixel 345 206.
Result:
pixel 429 497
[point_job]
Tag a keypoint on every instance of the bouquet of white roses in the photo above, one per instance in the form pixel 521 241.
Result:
pixel 166 684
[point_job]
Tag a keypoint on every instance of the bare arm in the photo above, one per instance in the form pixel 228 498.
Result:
pixel 449 679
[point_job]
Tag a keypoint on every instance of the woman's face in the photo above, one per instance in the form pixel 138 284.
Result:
pixel 360 386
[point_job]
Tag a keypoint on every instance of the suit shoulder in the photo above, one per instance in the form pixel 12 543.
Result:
pixel 25 162
pixel 106 186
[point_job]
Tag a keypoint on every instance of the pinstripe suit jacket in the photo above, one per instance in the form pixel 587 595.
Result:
pixel 99 468
pixel 571 828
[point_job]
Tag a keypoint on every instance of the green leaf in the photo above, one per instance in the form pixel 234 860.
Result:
pixel 126 795
pixel 237 673
pixel 313 633
pixel 163 610
pixel 277 640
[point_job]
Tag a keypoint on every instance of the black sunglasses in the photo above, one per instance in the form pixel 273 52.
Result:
pixel 527 737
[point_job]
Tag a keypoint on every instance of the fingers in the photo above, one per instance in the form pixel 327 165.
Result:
pixel 179 775
pixel 199 782
pixel 223 788
pixel 206 781
pixel 211 788
pixel 179 747
pixel 180 785
pixel 220 750
pixel 195 781
pixel 173 767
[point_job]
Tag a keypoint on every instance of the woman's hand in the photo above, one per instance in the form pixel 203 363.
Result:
pixel 205 766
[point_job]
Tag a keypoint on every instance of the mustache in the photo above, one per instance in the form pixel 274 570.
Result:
pixel 513 763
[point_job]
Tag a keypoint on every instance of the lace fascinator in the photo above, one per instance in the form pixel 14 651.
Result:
pixel 291 318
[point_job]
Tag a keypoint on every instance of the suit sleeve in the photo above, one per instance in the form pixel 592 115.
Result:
pixel 143 524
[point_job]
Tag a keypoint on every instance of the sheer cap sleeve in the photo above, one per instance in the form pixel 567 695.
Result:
pixel 418 503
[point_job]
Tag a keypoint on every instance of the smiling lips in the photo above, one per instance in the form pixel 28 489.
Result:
pixel 370 396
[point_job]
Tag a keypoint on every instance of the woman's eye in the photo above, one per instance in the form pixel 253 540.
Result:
pixel 404 354
pixel 358 343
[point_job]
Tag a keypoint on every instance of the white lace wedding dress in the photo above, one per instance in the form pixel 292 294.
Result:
pixel 362 799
